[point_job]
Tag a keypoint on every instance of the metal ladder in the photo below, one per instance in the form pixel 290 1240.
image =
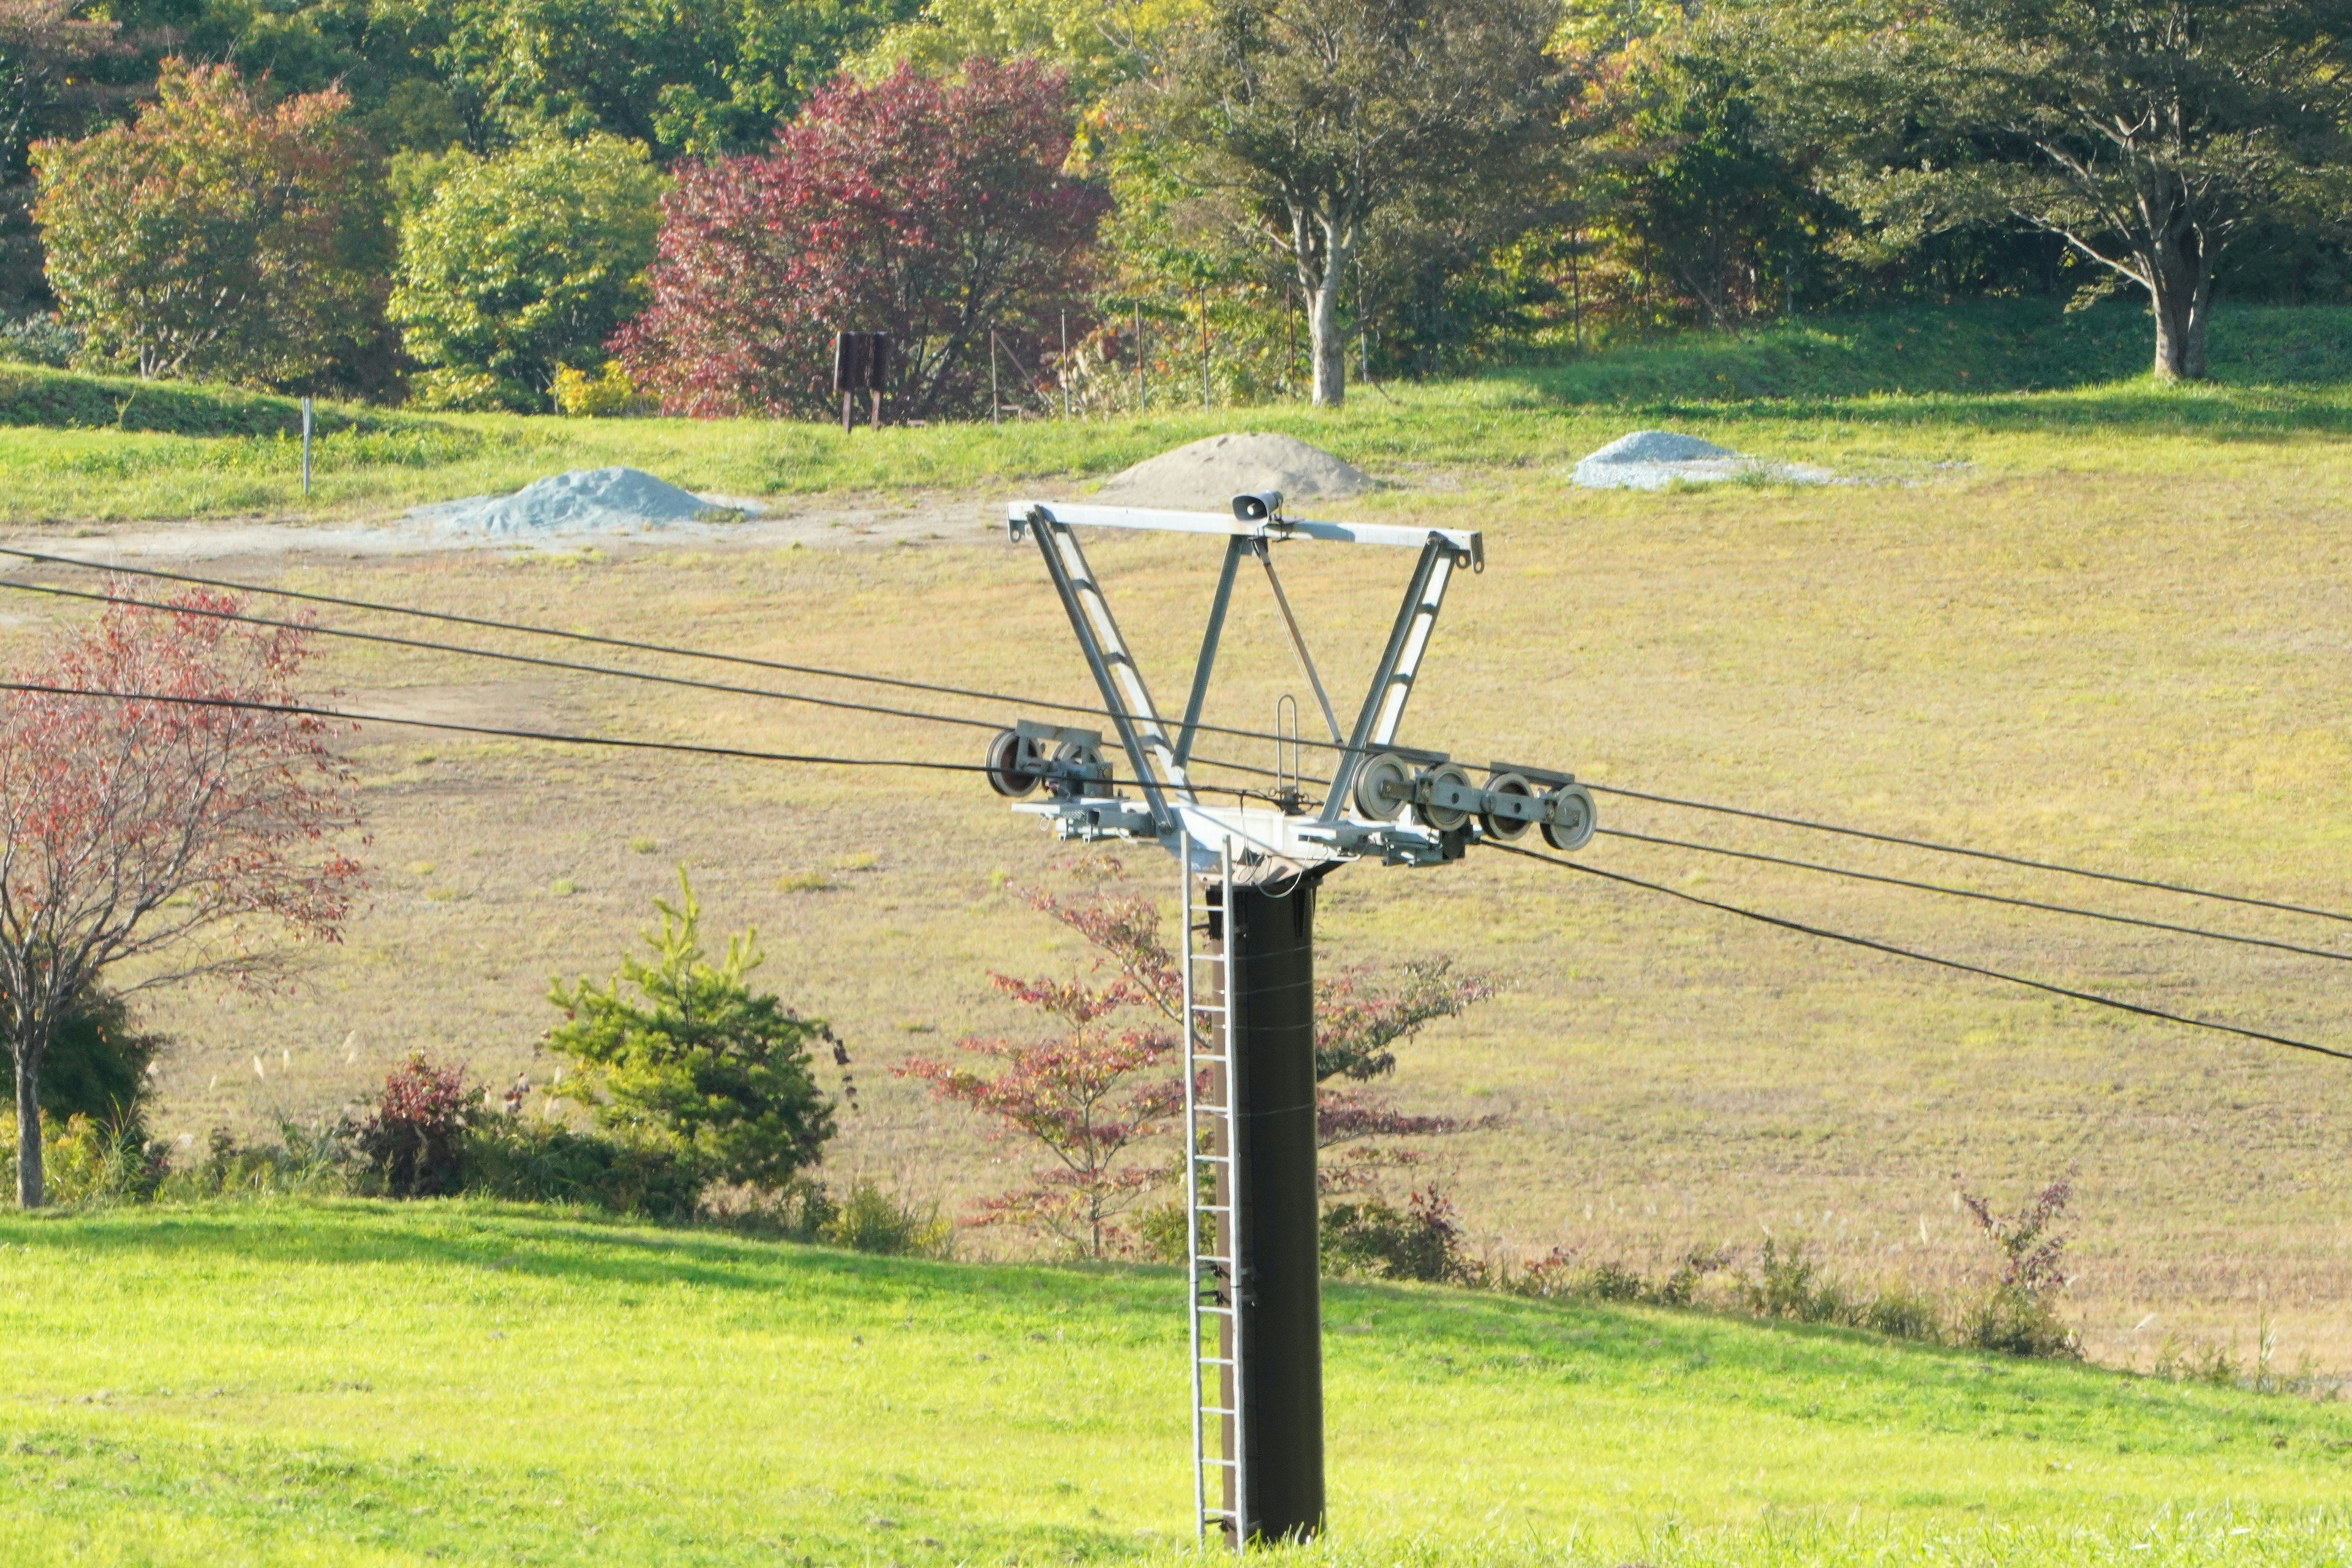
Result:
pixel 1216 1307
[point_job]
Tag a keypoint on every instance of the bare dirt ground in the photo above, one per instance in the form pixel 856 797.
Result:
pixel 839 523
pixel 2138 667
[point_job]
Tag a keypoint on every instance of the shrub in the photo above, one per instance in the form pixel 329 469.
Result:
pixel 1161 1233
pixel 1787 1284
pixel 932 209
pixel 511 266
pixel 697 1066
pixel 314 1161
pixel 1422 1241
pixel 537 1162
pixel 96 1067
pixel 88 1162
pixel 213 238
pixel 2019 1314
pixel 38 340
pixel 870 1219
pixel 607 395
pixel 414 1140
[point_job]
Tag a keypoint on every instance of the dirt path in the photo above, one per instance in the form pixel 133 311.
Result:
pixel 828 522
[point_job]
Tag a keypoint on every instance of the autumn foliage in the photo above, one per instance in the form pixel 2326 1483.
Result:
pixel 1087 1096
pixel 934 210
pixel 160 827
pixel 214 237
pixel 1102 1087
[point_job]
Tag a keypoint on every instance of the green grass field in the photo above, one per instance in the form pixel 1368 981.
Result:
pixel 2067 615
pixel 1879 394
pixel 357 1383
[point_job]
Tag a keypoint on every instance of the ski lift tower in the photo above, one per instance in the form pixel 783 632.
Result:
pixel 1249 875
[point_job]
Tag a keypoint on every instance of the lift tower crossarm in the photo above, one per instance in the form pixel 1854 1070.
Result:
pixel 1466 542
pixel 1150 753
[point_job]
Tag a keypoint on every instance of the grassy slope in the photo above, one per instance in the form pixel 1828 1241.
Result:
pixel 369 1386
pixel 1893 388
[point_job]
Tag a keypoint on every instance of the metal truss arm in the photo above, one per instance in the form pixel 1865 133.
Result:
pixel 1297 638
pixel 1208 659
pixel 1392 678
pixel 1116 674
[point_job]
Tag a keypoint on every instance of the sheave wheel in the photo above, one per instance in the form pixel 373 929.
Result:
pixel 1506 828
pixel 1443 780
pixel 1005 774
pixel 1383 786
pixel 1577 818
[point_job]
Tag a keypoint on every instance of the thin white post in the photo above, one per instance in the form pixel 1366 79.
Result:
pixel 306 447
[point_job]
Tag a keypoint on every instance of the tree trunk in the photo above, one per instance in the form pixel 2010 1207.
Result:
pixel 1327 346
pixel 2181 269
pixel 31 1192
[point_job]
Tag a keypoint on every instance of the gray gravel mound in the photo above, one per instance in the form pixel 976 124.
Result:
pixel 1206 475
pixel 1653 460
pixel 584 500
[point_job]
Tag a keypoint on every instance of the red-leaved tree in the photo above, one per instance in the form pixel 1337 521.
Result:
pixel 1087 1096
pixel 159 826
pixel 1360 1017
pixel 1092 1096
pixel 932 210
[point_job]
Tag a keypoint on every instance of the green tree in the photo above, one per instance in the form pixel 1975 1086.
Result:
pixel 512 265
pixel 97 1065
pixel 216 237
pixel 1313 117
pixel 697 1064
pixel 698 78
pixel 50 84
pixel 2146 134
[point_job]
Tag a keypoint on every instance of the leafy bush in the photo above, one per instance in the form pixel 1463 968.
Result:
pixel 697 1066
pixel 305 1161
pixel 513 265
pixel 2019 1314
pixel 216 237
pixel 537 1162
pixel 414 1140
pixel 607 395
pixel 1422 1241
pixel 871 1220
pixel 88 1162
pixel 96 1068
pixel 1787 1284
pixel 38 340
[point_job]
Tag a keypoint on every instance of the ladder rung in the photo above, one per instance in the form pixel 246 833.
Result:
pixel 1216 1410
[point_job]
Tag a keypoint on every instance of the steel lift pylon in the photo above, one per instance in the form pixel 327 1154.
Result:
pixel 1249 875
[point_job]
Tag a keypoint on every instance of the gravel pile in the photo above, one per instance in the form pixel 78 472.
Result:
pixel 1653 460
pixel 1206 475
pixel 584 500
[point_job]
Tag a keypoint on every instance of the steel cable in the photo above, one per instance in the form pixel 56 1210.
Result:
pixel 1954 963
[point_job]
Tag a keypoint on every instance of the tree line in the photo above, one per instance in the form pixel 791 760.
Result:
pixel 459 202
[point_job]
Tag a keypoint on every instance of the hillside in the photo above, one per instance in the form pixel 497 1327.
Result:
pixel 1883 393
pixel 2101 624
pixel 363 1385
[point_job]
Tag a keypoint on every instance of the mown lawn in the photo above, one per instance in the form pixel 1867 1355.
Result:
pixel 366 1383
pixel 1883 395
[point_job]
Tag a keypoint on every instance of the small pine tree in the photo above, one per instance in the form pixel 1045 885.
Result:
pixel 697 1063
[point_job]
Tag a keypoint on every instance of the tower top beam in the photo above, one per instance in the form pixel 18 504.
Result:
pixel 1469 546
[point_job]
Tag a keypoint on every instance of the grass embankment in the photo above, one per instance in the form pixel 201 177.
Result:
pixel 368 1385
pixel 1893 387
